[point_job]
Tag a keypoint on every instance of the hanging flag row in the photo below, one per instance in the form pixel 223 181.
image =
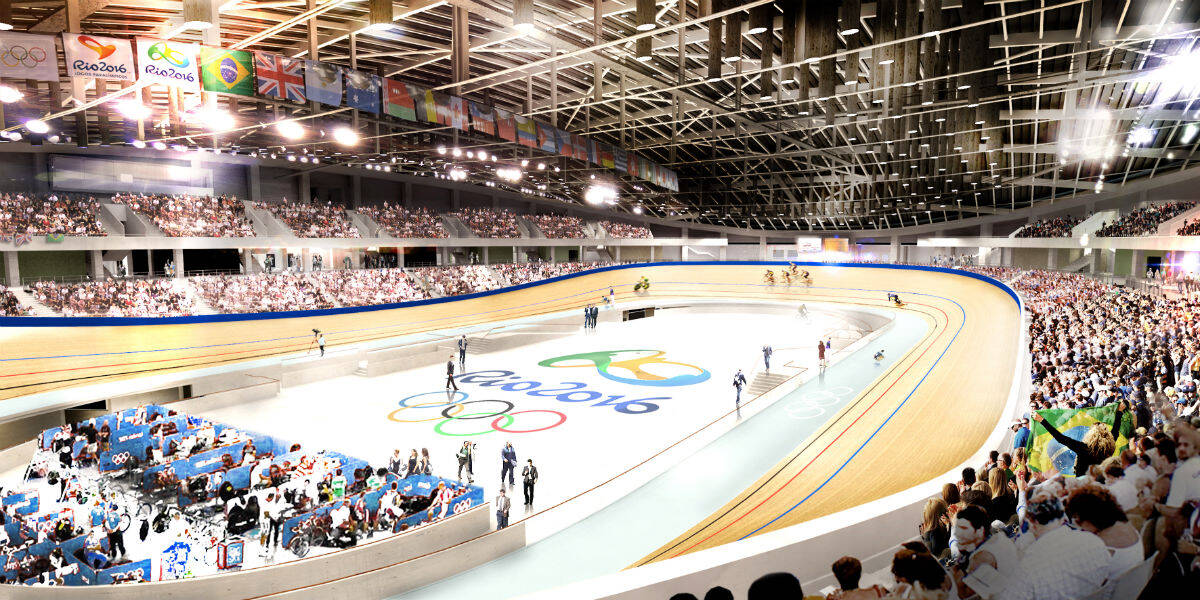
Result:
pixel 192 68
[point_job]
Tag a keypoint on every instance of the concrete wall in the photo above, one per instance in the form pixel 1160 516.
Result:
pixel 274 185
pixel 14 433
pixel 52 264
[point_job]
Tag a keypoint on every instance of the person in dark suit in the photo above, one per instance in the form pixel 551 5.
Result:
pixel 739 381
pixel 529 476
pixel 462 352
pixel 450 374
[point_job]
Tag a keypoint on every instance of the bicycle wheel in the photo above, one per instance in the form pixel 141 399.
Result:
pixel 144 510
pixel 300 545
pixel 123 522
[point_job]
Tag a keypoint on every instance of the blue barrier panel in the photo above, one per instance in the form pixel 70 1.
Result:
pixel 239 477
pixel 141 568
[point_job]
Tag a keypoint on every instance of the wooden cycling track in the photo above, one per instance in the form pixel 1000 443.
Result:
pixel 925 415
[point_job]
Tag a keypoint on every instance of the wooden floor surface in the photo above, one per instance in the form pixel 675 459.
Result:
pixel 953 384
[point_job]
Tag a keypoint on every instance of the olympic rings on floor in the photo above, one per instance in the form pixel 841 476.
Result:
pixel 496 414
pixel 403 403
pixel 438 427
pixel 392 415
pixel 561 419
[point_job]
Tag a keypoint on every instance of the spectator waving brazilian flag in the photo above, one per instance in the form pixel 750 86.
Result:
pixel 227 71
pixel 1048 456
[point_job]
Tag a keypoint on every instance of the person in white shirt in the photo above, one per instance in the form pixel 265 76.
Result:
pixel 1185 482
pixel 441 501
pixel 1094 509
pixel 1119 485
pixel 1060 563
pixel 979 549
pixel 1138 470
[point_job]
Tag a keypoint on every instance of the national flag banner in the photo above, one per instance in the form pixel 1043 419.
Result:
pixel 168 62
pixel 482 119
pixel 362 91
pixel 430 106
pixel 619 159
pixel 644 170
pixel 227 71
pixel 565 148
pixel 451 111
pixel 580 145
pixel 526 131
pixel 399 103
pixel 593 150
pixel 631 163
pixel 55 238
pixel 323 82
pixel 606 155
pixel 279 77
pixel 506 125
pixel 28 56
pixel 547 139
pixel 99 57
pixel 1048 456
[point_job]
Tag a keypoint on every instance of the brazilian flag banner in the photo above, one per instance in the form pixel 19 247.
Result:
pixel 1048 456
pixel 227 71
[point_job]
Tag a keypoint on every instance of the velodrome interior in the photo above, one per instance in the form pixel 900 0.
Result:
pixel 748 285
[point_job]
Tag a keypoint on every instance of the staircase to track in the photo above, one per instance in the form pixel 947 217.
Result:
pixel 26 299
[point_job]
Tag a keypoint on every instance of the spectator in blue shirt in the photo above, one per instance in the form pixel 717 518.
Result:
pixel 1020 432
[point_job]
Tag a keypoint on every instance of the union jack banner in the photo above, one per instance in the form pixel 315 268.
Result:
pixel 22 238
pixel 280 77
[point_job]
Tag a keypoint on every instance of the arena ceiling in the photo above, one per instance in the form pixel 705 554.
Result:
pixel 777 115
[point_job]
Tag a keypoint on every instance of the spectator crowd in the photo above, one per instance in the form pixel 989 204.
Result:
pixel 402 222
pixel 625 230
pixel 313 220
pixel 1053 227
pixel 459 280
pixel 9 306
pixel 306 291
pixel 1144 221
pixel 192 216
pixel 558 226
pixel 1189 227
pixel 518 273
pixel 29 214
pixel 488 223
pixel 114 298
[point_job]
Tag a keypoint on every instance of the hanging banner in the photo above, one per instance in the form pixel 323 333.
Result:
pixel 506 126
pixel 171 63
pixel 98 57
pixel 547 139
pixel 565 146
pixel 481 118
pixel 619 159
pixel 606 155
pixel 28 56
pixel 280 77
pixel 593 152
pixel 399 103
pixel 580 146
pixel 323 82
pixel 631 163
pixel 227 71
pixel 451 111
pixel 526 131
pixel 362 91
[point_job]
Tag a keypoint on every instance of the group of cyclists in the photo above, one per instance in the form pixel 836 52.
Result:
pixel 792 274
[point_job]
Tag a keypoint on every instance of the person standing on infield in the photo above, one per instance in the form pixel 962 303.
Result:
pixel 508 464
pixel 319 338
pixel 739 381
pixel 462 352
pixel 502 506
pixel 529 477
pixel 767 352
pixel 450 374
pixel 821 353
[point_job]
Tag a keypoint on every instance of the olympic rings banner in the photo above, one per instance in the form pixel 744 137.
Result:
pixel 169 62
pixel 28 56
pixel 99 57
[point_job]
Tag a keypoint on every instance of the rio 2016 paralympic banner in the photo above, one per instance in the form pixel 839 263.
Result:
pixel 643 368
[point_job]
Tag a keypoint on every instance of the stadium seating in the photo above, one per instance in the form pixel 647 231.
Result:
pixel 192 216
pixel 314 220
pixel 488 223
pixel 29 214
pixel 401 222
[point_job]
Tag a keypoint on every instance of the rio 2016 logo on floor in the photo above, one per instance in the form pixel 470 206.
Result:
pixel 635 367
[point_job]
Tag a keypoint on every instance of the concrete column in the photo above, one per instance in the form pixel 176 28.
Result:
pixel 762 247
pixel 724 255
pixel 616 253
pixel 487 257
pixel 1137 263
pixel 355 191
pixel 254 176
pixel 150 262
pixel 247 261
pixel 894 250
pixel 1052 258
pixel 985 230
pixel 357 260
pixel 281 257
pixel 96 264
pixel 652 253
pixel 12 273
pixel 581 252
pixel 400 257
pixel 408 195
pixel 305 260
pixel 683 233
pixel 683 253
pixel 177 258
pixel 305 191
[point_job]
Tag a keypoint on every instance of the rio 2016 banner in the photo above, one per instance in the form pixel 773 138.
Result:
pixel 99 57
pixel 168 62
pixel 1046 455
